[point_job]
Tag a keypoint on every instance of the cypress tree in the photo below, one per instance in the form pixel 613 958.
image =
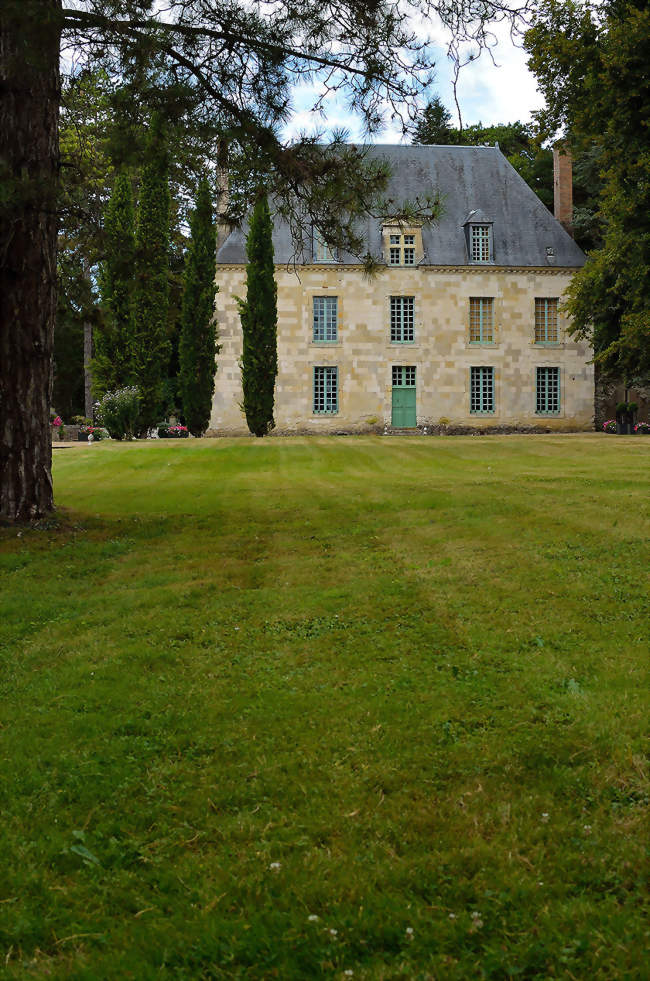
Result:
pixel 259 317
pixel 198 340
pixel 151 346
pixel 113 364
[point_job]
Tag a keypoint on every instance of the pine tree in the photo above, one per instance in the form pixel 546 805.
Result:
pixel 151 346
pixel 198 341
pixel 259 317
pixel 113 337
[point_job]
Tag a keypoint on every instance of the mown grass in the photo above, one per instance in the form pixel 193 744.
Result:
pixel 296 708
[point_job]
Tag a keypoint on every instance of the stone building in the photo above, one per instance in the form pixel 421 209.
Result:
pixel 462 325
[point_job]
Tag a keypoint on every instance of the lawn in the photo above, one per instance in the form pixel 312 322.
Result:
pixel 328 708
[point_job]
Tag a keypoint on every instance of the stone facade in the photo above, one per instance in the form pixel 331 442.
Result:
pixel 441 351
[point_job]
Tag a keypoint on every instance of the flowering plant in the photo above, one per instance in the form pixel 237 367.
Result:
pixel 609 426
pixel 97 432
pixel 642 428
pixel 166 431
pixel 57 421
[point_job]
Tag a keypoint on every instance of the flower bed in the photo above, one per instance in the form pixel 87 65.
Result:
pixel 642 428
pixel 609 426
pixel 166 431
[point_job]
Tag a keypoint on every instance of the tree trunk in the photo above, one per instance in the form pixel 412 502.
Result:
pixel 29 107
pixel 88 373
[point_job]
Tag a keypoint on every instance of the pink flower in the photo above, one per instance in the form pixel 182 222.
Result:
pixel 58 421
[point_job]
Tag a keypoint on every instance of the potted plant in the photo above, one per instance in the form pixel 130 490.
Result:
pixel 625 412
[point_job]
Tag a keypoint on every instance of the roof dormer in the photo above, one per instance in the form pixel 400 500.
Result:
pixel 479 239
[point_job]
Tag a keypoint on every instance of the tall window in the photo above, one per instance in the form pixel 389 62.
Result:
pixel 546 331
pixel 481 399
pixel 401 250
pixel 325 318
pixel 547 400
pixel 402 330
pixel 322 251
pixel 479 239
pixel 326 390
pixel 481 320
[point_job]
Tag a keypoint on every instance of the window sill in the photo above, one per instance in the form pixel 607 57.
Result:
pixel 548 344
pixel 326 413
pixel 482 343
pixel 478 412
pixel 336 343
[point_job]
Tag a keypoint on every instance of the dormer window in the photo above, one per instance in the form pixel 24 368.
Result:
pixel 322 251
pixel 479 236
pixel 402 246
pixel 401 250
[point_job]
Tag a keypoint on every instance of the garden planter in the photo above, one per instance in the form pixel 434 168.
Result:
pixel 624 424
pixel 82 437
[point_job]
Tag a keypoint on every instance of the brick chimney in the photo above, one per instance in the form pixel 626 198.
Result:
pixel 563 186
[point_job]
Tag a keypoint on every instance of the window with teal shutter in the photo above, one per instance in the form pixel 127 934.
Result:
pixel 325 318
pixel 481 320
pixel 546 330
pixel 326 390
pixel 547 400
pixel 481 399
pixel 402 319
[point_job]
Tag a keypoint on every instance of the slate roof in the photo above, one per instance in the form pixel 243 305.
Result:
pixel 469 179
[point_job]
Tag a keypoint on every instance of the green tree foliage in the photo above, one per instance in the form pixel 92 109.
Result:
pixel 113 365
pixel 259 319
pixel 198 340
pixel 151 348
pixel 230 66
pixel 591 65
pixel 519 142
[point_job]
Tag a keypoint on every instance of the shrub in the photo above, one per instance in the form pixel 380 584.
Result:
pixel 642 428
pixel 118 411
pixel 167 431
pixel 610 426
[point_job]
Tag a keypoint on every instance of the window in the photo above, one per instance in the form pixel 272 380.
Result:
pixel 547 392
pixel 322 251
pixel 401 250
pixel 481 398
pixel 325 318
pixel 481 320
pixel 326 390
pixel 479 238
pixel 546 331
pixel 402 320
pixel 403 377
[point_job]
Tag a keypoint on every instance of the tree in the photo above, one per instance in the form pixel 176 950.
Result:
pixel 198 340
pixel 591 65
pixel 233 64
pixel 259 320
pixel 114 338
pixel 151 348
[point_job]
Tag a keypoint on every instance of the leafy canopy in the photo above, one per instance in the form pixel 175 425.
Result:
pixel 591 65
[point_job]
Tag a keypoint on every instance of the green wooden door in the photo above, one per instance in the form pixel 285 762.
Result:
pixel 403 415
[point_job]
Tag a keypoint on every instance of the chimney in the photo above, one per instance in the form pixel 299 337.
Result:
pixel 563 186
pixel 223 195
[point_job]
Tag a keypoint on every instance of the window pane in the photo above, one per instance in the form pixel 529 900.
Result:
pixel 325 390
pixel 409 240
pixel 394 257
pixel 548 391
pixel 409 257
pixel 481 390
pixel 402 330
pixel 481 319
pixel 480 243
pixel 546 331
pixel 394 239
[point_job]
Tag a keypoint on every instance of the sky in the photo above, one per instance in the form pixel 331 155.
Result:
pixel 488 93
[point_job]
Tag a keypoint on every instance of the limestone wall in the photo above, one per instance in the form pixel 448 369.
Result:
pixel 441 351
